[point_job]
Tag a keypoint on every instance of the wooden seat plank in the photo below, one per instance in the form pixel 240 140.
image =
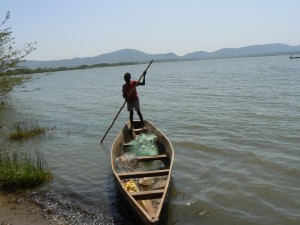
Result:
pixel 127 145
pixel 153 173
pixel 139 129
pixel 144 195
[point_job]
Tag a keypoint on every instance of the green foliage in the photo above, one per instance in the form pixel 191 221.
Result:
pixel 7 84
pixel 17 173
pixel 10 57
pixel 26 129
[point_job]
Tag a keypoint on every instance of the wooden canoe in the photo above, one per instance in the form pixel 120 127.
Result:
pixel 145 190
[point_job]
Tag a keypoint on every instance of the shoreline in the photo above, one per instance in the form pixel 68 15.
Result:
pixel 17 210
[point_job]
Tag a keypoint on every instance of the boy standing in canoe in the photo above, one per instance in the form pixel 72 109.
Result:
pixel 131 96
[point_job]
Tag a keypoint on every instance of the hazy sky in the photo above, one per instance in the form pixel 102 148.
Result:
pixel 84 28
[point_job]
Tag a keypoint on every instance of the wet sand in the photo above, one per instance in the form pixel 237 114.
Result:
pixel 15 210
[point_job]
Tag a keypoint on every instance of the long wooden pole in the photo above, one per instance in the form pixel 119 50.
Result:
pixel 124 104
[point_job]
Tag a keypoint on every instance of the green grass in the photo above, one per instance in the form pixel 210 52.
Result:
pixel 19 173
pixel 27 129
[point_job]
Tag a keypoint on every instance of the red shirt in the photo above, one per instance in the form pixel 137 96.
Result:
pixel 127 89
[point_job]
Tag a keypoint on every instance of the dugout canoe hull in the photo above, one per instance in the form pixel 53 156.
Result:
pixel 145 200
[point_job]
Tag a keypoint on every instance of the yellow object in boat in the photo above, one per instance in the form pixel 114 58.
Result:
pixel 131 186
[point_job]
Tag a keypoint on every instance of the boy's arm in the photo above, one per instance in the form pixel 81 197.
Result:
pixel 144 80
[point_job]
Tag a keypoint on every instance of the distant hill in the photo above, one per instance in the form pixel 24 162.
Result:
pixel 131 55
pixel 253 50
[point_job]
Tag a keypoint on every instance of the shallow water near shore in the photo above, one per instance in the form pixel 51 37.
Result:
pixel 234 125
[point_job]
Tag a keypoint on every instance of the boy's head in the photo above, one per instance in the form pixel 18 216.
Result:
pixel 127 77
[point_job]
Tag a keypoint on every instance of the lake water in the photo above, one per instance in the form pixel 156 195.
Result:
pixel 234 125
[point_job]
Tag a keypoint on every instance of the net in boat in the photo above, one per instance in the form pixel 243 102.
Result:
pixel 143 145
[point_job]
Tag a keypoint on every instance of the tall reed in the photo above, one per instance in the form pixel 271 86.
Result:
pixel 17 173
pixel 26 129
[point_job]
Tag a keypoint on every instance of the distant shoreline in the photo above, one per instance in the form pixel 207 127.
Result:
pixel 21 71
pixel 26 70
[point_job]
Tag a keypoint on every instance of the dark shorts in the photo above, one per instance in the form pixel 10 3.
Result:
pixel 134 105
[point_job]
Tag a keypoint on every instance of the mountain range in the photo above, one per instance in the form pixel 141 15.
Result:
pixel 131 55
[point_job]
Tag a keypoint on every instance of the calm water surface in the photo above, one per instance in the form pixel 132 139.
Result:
pixel 234 125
